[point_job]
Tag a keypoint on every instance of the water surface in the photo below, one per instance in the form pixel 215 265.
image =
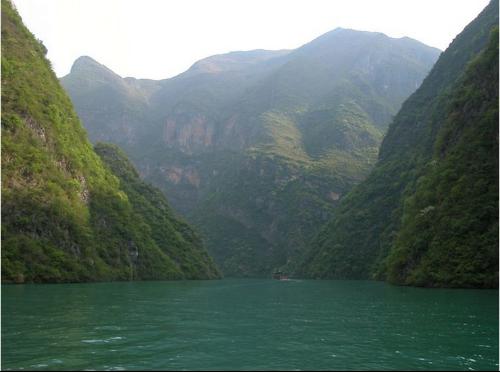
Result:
pixel 248 324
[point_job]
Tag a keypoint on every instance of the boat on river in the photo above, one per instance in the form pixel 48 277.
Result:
pixel 280 275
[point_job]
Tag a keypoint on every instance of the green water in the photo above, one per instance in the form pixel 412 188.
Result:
pixel 247 324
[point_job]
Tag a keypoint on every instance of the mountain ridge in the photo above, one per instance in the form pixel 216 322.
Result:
pixel 233 148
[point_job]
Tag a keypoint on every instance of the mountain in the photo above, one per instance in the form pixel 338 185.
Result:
pixel 256 148
pixel 68 214
pixel 427 215
pixel 172 235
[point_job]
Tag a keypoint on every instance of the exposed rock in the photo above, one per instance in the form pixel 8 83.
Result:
pixel 189 175
pixel 188 132
pixel 84 190
pixel 334 196
pixel 37 129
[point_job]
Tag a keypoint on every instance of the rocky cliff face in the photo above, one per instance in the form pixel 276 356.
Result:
pixel 258 147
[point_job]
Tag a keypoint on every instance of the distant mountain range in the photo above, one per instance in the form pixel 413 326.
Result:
pixel 257 148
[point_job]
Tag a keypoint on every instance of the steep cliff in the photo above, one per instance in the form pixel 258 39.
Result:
pixel 428 213
pixel 65 215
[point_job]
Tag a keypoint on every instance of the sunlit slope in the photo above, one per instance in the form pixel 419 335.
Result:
pixel 65 215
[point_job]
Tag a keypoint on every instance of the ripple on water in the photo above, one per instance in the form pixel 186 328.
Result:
pixel 103 341
pixel 108 328
pixel 245 324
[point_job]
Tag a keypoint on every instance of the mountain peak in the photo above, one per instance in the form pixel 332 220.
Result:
pixel 86 65
pixel 83 61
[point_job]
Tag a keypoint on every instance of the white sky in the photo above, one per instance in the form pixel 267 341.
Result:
pixel 161 38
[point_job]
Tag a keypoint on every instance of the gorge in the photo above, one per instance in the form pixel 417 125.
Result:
pixel 257 148
pixel 366 161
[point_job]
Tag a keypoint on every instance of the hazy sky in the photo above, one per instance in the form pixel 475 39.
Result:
pixel 161 38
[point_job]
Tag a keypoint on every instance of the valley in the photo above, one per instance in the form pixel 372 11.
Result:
pixel 257 148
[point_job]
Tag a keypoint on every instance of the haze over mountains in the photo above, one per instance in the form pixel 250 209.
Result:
pixel 257 148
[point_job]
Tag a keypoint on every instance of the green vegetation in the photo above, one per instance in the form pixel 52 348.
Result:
pixel 175 238
pixel 449 228
pixel 65 216
pixel 257 148
pixel 428 213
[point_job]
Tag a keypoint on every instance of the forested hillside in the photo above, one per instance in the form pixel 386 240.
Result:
pixel 257 148
pixel 428 213
pixel 66 217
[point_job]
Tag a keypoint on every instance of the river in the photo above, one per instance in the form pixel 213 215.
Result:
pixel 247 324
